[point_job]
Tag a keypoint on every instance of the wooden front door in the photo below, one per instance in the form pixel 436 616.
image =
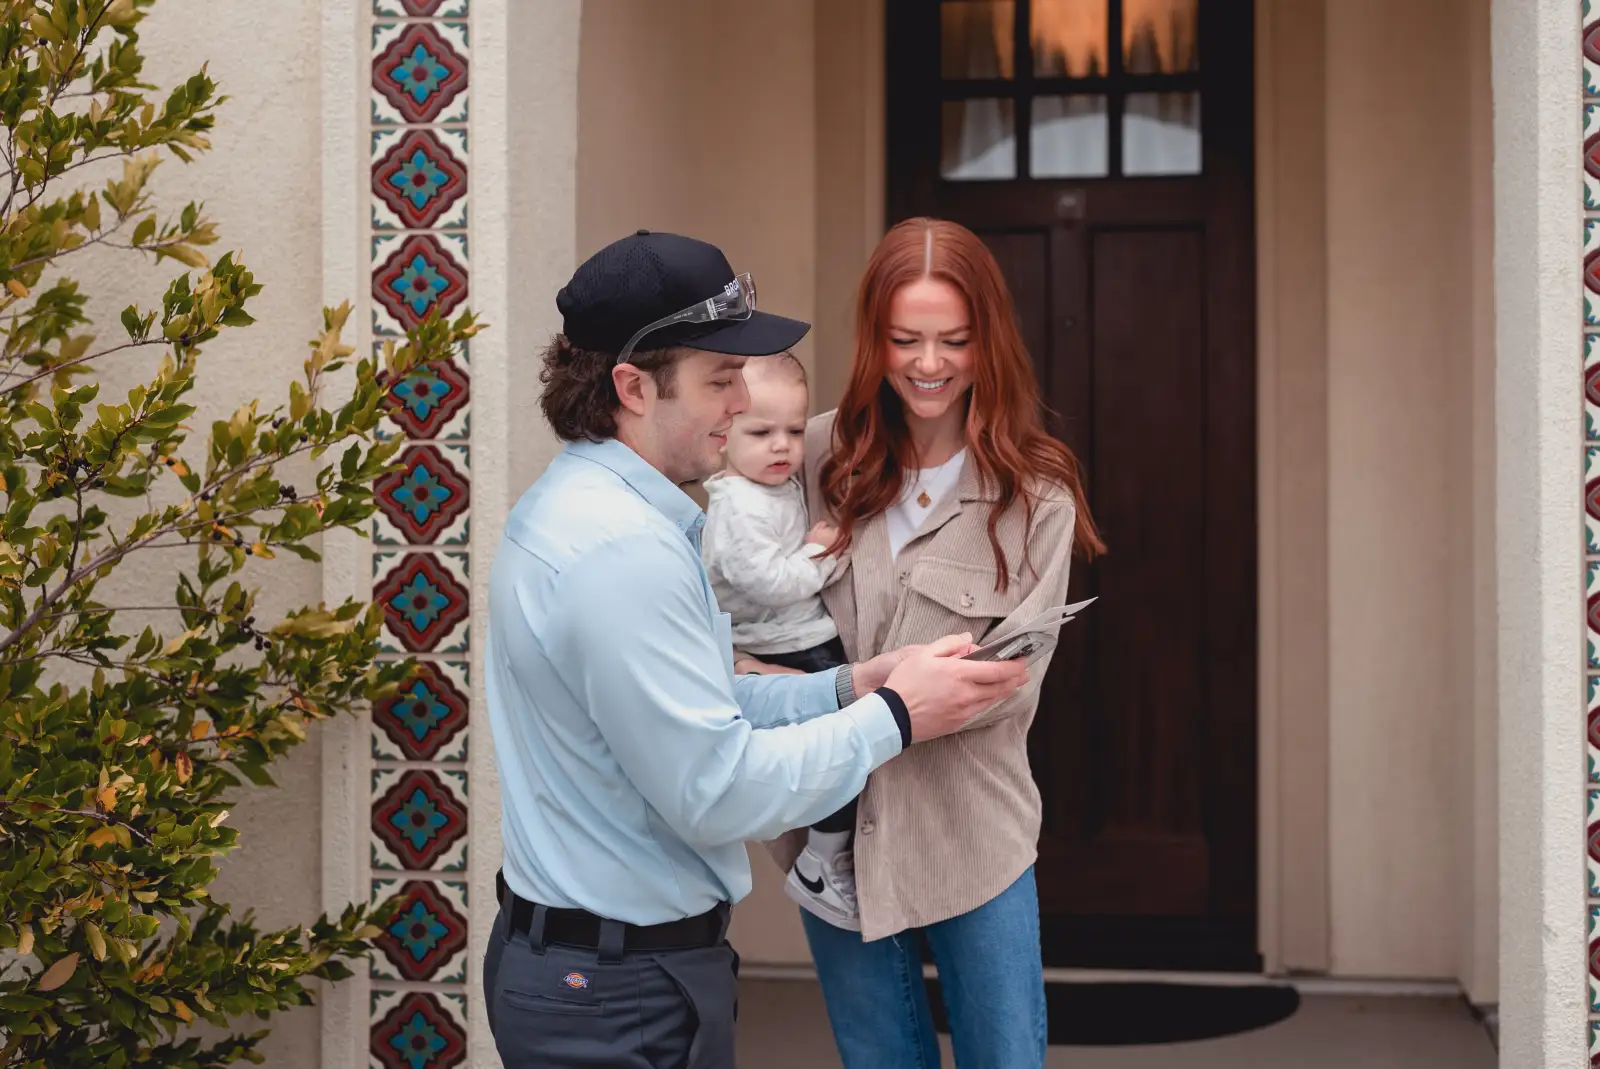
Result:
pixel 1103 150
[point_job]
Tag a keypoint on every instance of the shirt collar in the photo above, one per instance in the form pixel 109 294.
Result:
pixel 643 479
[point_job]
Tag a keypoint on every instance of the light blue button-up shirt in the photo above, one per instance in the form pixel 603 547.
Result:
pixel 633 763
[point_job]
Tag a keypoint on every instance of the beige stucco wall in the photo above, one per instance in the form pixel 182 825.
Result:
pixel 1478 796
pixel 1538 243
pixel 261 185
pixel 849 167
pixel 1401 245
pixel 542 149
pixel 1292 486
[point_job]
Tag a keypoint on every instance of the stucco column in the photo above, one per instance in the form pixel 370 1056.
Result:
pixel 1537 80
pixel 442 159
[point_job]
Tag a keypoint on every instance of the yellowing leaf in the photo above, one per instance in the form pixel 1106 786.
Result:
pixel 183 1011
pixel 177 642
pixel 25 940
pixel 59 973
pixel 120 13
pixel 299 401
pixel 260 549
pixel 107 797
pixel 17 288
pixel 184 765
pixel 189 255
pixel 42 26
pixel 97 941
pixel 153 971
pixel 219 818
pixel 146 896
pixel 200 729
pixel 102 835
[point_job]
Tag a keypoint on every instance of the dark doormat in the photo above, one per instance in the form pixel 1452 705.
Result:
pixel 1124 1014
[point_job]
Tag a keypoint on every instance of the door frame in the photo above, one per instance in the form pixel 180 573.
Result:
pixel 1291 411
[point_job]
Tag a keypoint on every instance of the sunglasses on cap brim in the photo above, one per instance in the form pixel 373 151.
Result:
pixel 736 301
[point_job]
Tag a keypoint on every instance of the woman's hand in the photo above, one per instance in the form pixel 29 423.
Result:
pixel 750 666
pixel 868 676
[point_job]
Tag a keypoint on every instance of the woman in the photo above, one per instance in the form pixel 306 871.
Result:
pixel 956 513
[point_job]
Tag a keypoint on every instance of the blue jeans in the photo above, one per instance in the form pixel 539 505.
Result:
pixel 989 972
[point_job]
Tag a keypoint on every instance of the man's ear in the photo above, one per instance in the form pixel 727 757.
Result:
pixel 634 387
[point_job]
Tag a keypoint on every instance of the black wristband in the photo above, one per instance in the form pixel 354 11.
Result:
pixel 902 717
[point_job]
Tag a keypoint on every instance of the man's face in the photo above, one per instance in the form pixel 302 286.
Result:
pixel 689 428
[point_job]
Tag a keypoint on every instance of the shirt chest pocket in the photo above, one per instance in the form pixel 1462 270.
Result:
pixel 945 597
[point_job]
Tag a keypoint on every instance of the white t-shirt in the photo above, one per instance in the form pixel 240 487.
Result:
pixel 930 485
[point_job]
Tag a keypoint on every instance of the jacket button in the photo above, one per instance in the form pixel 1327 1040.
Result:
pixel 905 577
pixel 867 827
pixel 966 601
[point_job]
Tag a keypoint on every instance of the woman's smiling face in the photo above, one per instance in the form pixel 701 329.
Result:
pixel 929 359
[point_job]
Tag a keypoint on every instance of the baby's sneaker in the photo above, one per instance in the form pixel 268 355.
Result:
pixel 826 888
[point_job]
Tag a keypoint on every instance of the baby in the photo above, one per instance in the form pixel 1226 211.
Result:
pixel 767 569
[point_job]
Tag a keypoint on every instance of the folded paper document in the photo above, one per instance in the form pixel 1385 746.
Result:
pixel 1032 640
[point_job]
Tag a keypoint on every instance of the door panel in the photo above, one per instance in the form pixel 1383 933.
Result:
pixel 1134 294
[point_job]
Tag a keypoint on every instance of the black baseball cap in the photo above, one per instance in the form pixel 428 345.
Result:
pixel 648 276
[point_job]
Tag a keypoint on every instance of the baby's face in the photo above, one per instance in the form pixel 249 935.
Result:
pixel 768 441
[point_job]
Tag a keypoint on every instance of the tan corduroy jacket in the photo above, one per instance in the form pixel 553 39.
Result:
pixel 948 824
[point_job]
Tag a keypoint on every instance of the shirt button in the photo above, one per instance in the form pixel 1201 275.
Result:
pixel 966 601
pixel 905 577
pixel 868 827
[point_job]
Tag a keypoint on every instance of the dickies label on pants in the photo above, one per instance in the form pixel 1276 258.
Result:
pixel 562 1008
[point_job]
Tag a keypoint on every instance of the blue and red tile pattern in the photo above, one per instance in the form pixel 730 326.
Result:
pixel 421 265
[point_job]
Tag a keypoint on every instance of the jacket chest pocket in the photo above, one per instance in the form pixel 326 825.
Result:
pixel 944 597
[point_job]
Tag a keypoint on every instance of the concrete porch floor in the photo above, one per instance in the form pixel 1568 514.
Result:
pixel 782 1025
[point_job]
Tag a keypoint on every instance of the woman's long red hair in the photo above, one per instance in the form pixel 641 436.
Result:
pixel 1005 435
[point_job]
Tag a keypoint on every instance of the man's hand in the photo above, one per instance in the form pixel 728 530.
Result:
pixel 942 690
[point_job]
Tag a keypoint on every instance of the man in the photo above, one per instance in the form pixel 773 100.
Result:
pixel 633 762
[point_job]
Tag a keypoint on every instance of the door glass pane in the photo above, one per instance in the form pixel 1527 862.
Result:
pixel 1160 36
pixel 1161 133
pixel 978 140
pixel 1070 138
pixel 976 39
pixel 1069 38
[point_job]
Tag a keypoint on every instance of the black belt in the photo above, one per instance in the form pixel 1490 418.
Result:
pixel 547 925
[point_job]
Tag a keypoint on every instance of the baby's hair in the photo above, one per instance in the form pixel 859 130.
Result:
pixel 784 365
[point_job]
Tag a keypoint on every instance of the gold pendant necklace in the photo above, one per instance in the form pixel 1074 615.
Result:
pixel 924 500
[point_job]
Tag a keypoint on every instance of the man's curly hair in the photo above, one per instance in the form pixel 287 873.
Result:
pixel 580 400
